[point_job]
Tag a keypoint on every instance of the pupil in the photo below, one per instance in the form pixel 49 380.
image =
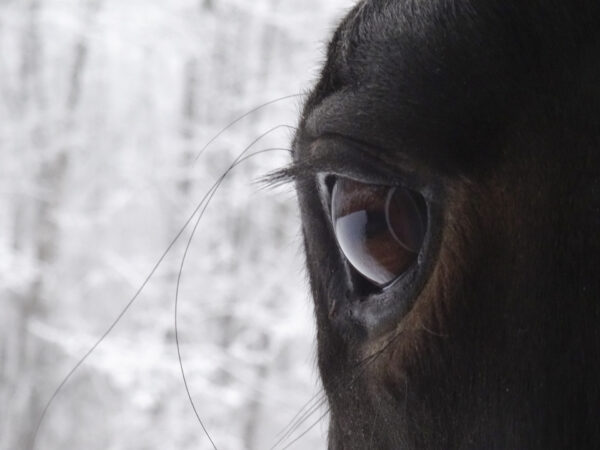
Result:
pixel 380 229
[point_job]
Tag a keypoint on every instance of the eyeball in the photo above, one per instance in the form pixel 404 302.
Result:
pixel 380 229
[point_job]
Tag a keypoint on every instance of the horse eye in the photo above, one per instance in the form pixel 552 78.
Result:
pixel 380 229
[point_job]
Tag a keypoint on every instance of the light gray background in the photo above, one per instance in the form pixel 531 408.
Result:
pixel 104 106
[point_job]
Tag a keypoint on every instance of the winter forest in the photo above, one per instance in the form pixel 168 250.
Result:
pixel 105 110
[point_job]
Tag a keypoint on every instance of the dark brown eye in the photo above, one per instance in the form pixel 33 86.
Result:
pixel 380 229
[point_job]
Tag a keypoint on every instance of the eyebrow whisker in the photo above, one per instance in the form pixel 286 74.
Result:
pixel 200 210
pixel 242 157
pixel 243 116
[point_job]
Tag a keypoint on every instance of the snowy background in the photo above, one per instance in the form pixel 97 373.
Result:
pixel 104 108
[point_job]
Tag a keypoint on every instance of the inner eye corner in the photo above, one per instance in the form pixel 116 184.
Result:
pixel 328 181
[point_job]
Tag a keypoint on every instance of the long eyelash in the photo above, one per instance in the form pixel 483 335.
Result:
pixel 359 163
pixel 297 170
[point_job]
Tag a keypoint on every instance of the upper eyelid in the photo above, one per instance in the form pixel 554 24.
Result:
pixel 342 156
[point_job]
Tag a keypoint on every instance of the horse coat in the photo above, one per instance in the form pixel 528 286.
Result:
pixel 447 164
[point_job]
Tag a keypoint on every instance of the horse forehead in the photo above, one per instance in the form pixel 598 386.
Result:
pixel 434 52
pixel 404 74
pixel 417 41
pixel 443 77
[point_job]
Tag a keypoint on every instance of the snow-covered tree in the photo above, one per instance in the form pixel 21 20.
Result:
pixel 105 106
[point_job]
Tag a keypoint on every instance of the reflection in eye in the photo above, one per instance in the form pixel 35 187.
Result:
pixel 380 229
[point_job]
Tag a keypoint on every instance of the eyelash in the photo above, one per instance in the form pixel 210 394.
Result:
pixel 339 155
pixel 315 169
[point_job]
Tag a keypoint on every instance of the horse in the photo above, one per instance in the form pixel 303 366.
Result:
pixel 447 164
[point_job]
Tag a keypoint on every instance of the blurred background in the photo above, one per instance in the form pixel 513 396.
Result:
pixel 104 108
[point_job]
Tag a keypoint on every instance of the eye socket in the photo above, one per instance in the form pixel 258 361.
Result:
pixel 380 229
